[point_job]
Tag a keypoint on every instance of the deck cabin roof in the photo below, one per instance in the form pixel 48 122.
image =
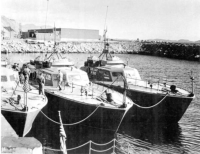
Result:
pixel 115 68
pixel 54 70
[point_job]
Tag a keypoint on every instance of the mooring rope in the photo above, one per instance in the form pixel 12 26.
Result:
pixel 103 150
pixel 78 146
pixel 148 107
pixel 84 145
pixel 71 123
pixel 103 143
pixel 51 149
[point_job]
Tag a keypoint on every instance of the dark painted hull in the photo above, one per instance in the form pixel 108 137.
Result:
pixel 21 122
pixel 73 111
pixel 170 110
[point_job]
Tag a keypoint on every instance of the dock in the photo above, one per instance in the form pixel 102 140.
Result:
pixel 12 144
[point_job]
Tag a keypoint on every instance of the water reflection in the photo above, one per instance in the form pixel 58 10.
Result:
pixel 47 133
pixel 155 137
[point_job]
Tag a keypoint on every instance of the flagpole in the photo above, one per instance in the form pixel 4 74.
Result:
pixel 63 136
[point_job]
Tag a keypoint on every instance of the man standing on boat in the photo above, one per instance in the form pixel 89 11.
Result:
pixel 26 73
pixel 41 82
pixel 60 79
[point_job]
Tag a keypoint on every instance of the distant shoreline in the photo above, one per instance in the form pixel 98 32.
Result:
pixel 175 50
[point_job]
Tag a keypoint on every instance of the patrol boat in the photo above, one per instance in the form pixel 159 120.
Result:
pixel 19 106
pixel 153 101
pixel 82 102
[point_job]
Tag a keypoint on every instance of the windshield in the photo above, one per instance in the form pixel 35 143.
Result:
pixel 4 78
pixel 132 74
pixel 12 78
pixel 103 75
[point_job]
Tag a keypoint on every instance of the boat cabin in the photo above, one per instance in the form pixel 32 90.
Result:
pixel 4 63
pixel 62 63
pixel 94 61
pixel 9 78
pixel 71 75
pixel 41 62
pixel 110 74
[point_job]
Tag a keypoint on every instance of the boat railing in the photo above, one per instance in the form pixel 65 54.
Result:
pixel 94 90
pixel 153 84
pixel 150 84
pixel 114 148
pixel 98 92
pixel 88 88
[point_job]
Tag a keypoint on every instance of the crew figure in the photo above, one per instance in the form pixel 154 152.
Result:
pixel 19 102
pixel 26 71
pixel 41 82
pixel 60 79
pixel 21 78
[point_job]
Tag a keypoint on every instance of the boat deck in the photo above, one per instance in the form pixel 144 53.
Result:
pixel 95 95
pixel 34 101
pixel 157 88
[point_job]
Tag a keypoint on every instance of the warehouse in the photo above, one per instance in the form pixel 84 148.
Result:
pixel 64 34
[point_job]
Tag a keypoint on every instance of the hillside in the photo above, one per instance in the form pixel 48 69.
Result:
pixel 9 27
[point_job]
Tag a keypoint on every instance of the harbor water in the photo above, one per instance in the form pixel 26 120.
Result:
pixel 183 137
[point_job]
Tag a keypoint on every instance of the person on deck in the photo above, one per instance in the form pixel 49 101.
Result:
pixel 41 82
pixel 21 78
pixel 26 73
pixel 60 79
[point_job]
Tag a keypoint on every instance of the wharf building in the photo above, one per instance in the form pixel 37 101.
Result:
pixel 62 34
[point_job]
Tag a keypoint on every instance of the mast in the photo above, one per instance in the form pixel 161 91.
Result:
pixel 46 19
pixel 54 47
pixel 105 41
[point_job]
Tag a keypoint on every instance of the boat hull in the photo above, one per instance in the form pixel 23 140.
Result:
pixel 74 111
pixel 21 122
pixel 170 110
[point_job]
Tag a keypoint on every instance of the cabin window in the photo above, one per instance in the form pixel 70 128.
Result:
pixel 103 75
pixel 93 71
pixel 47 76
pixel 116 74
pixel 130 75
pixel 12 78
pixel 4 79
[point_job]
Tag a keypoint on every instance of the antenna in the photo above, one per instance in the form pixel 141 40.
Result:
pixel 46 19
pixel 106 17
pixel 106 44
pixel 105 27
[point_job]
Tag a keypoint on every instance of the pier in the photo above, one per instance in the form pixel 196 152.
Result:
pixel 11 143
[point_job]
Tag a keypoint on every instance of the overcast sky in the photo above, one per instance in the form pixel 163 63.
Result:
pixel 130 19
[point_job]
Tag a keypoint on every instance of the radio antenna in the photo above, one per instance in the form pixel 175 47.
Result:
pixel 105 27
pixel 106 17
pixel 46 18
